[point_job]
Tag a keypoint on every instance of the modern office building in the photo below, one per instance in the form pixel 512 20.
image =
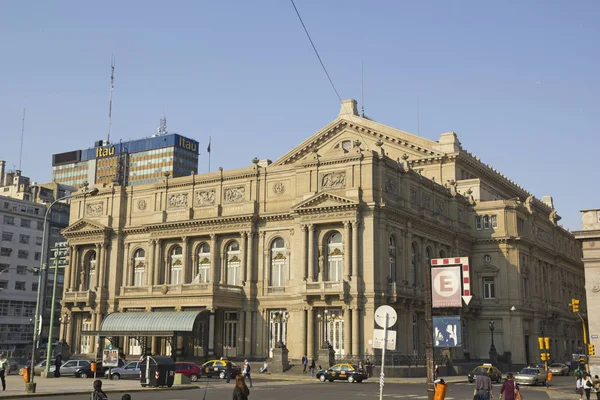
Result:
pixel 22 211
pixel 304 249
pixel 134 162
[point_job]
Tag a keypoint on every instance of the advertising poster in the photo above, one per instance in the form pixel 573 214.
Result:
pixel 446 289
pixel 110 358
pixel 447 331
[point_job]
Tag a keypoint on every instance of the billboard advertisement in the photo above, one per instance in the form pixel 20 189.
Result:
pixel 447 331
pixel 446 290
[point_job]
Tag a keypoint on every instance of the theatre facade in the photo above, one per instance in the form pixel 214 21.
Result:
pixel 302 251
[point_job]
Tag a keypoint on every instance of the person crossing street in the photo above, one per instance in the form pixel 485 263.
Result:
pixel 3 370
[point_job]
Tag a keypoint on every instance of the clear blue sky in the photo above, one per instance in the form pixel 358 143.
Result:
pixel 518 80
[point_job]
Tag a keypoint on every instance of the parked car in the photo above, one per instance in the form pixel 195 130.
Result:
pixel 41 366
pixel 531 376
pixel 70 367
pixel 128 371
pixel 188 369
pixel 86 371
pixel 343 372
pixel 559 369
pixel 217 368
pixel 494 373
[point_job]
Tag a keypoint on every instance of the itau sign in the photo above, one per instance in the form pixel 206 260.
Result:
pixel 450 282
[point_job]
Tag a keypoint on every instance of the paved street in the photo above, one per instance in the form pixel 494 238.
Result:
pixel 291 390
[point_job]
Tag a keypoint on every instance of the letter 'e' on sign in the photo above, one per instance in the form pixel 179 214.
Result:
pixel 446 287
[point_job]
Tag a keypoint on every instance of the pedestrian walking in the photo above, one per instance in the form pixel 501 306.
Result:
pixel 568 365
pixel 57 364
pixel 304 363
pixel 483 387
pixel 509 388
pixel 240 391
pixel 98 393
pixel 368 367
pixel 228 371
pixel 579 387
pixel 247 371
pixel 312 368
pixel 3 370
pixel 596 387
pixel 588 384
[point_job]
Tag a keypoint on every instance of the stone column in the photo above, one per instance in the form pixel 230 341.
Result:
pixel 311 253
pixel 214 271
pixel 347 331
pixel 250 251
pixel 167 271
pixel 96 282
pixel 310 337
pixel 157 259
pixel 248 347
pixel 194 266
pixel 243 258
pixel 127 268
pixel 211 330
pixel 348 262
pixel 355 331
pixel 185 265
pixel 222 267
pixel 303 267
pixel 355 250
pixel 93 338
pixel 69 333
pixel 68 269
pixel 303 331
pixel 151 263
pixel 75 270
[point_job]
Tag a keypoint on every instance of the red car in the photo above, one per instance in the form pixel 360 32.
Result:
pixel 188 369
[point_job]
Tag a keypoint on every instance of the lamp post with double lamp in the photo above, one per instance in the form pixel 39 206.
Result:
pixel 31 385
pixel 493 352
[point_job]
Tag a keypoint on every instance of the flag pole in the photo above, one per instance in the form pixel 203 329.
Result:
pixel 208 150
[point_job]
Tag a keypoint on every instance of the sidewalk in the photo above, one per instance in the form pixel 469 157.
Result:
pixel 15 387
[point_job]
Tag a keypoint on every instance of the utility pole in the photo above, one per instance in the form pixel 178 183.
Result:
pixel 429 333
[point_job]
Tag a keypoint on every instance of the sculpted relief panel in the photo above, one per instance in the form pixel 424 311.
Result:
pixel 334 180
pixel 94 209
pixel 234 195
pixel 205 197
pixel 178 200
pixel 391 186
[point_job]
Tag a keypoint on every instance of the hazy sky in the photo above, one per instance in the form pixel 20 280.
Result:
pixel 518 80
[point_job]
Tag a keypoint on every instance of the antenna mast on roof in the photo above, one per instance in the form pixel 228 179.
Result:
pixel 362 84
pixel 112 86
pixel 22 134
pixel 162 130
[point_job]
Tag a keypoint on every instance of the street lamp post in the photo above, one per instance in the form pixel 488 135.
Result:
pixel 65 319
pixel 30 386
pixel 493 352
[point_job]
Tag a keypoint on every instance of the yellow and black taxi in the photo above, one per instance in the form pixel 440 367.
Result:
pixel 219 368
pixel 342 372
pixel 491 371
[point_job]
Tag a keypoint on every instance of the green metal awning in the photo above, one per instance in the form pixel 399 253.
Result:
pixel 160 323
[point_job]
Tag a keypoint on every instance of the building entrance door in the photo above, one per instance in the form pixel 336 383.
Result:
pixel 334 330
pixel 230 330
pixel 277 329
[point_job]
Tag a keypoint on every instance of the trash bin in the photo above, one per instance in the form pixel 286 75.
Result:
pixel 26 376
pixel 157 371
pixel 440 391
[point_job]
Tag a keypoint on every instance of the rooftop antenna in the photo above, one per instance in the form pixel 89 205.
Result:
pixel 362 84
pixel 22 135
pixel 162 130
pixel 112 86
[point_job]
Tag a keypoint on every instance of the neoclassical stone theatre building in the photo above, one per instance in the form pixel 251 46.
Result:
pixel 304 249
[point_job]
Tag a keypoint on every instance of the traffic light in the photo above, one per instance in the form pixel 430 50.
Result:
pixel 591 350
pixel 545 356
pixel 547 343
pixel 541 342
pixel 575 304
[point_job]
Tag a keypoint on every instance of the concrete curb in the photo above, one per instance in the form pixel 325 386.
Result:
pixel 141 389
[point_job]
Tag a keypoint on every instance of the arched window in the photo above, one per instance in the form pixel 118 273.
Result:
pixel 392 258
pixel 278 262
pixel 203 264
pixel 90 267
pixel 176 265
pixel 442 254
pixel 233 263
pixel 335 258
pixel 414 259
pixel 139 268
pixel 428 253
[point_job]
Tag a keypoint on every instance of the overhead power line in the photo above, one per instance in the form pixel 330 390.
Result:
pixel 316 52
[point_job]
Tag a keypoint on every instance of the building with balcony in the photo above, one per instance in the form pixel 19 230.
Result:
pixel 304 249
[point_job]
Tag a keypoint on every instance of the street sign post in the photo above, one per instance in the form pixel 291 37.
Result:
pixel 385 316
